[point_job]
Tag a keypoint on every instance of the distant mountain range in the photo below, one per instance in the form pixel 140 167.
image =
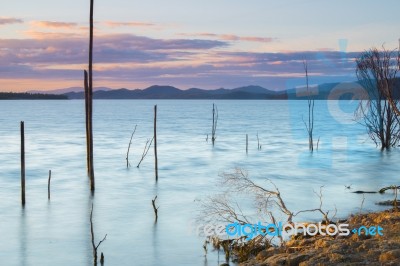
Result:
pixel 321 92
pixel 169 92
pixel 341 91
pixel 66 90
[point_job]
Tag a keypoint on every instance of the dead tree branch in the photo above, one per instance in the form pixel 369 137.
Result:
pixel 310 102
pixel 153 202
pixel 145 150
pixel 94 246
pixel 319 209
pixel 129 146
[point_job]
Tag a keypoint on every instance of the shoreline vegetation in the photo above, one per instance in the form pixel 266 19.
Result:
pixel 328 250
pixel 30 96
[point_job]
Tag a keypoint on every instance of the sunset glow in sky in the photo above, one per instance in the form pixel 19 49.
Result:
pixel 189 43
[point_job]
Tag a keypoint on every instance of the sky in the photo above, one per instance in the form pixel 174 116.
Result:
pixel 205 44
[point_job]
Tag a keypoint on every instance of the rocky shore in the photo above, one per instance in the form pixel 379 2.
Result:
pixel 363 249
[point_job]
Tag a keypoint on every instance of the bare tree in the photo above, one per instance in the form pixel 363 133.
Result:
pixel 310 102
pixel 267 200
pixel 377 72
pixel 268 203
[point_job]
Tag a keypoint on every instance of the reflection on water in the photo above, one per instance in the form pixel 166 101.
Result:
pixel 23 238
pixel 58 232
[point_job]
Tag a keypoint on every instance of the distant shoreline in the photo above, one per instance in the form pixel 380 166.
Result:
pixel 30 96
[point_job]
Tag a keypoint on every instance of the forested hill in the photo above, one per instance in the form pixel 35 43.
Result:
pixel 30 96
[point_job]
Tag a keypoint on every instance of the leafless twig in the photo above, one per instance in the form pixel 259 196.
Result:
pixel 129 146
pixel 153 202
pixel 145 150
pixel 94 246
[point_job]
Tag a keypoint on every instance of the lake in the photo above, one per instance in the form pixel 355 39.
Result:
pixel 57 232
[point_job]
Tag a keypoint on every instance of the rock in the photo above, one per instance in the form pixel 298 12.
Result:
pixel 321 243
pixel 335 257
pixel 296 259
pixel 350 250
pixel 287 259
pixel 357 237
pixel 390 255
pixel 265 254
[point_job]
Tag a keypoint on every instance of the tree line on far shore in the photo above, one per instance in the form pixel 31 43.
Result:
pixel 30 96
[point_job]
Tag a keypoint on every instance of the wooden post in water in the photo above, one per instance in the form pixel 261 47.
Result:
pixel 48 185
pixel 247 143
pixel 22 163
pixel 214 125
pixel 86 87
pixel 88 84
pixel 155 142
pixel 91 174
pixel 213 129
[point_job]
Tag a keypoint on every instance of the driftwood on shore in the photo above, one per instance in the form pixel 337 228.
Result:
pixel 382 190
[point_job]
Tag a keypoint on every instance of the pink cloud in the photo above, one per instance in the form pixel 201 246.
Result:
pixel 131 59
pixel 51 35
pixel 232 37
pixel 4 21
pixel 257 39
pixel 114 24
pixel 54 24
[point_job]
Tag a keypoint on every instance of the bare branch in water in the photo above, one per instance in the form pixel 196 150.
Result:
pixel 145 150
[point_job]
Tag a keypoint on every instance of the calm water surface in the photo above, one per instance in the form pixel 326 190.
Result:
pixel 57 232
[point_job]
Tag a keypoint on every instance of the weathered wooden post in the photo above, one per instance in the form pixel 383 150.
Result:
pixel 213 127
pixel 88 84
pixel 247 143
pixel 155 142
pixel 214 123
pixel 48 185
pixel 22 163
pixel 86 87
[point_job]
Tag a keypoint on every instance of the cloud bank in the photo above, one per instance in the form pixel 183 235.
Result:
pixel 128 60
